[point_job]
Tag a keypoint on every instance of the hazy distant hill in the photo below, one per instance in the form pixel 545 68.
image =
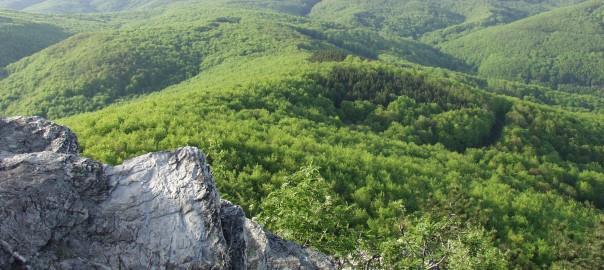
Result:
pixel 415 18
pixel 92 6
pixel 83 6
pixel 561 47
pixel 19 38
pixel 22 34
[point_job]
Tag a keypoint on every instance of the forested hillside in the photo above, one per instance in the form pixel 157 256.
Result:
pixel 91 70
pixel 562 48
pixel 23 34
pixel 21 38
pixel 388 134
pixel 413 18
pixel 392 148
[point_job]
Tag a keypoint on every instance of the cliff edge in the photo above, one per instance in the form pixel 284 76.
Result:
pixel 157 211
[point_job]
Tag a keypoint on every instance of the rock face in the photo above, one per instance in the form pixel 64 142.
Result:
pixel 157 211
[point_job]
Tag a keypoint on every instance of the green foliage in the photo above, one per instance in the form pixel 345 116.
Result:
pixel 561 47
pixel 90 71
pixel 555 134
pixel 23 34
pixel 444 243
pixel 547 96
pixel 372 45
pixel 297 7
pixel 328 55
pixel 414 108
pixel 21 38
pixel 413 18
pixel 462 128
pixel 515 202
pixel 591 186
pixel 305 210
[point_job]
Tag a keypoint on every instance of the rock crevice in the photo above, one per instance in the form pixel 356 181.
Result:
pixel 157 211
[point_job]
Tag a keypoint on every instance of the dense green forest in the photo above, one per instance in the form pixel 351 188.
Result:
pixel 388 134
pixel 23 34
pixel 20 38
pixel 560 48
pixel 91 70
pixel 393 147
pixel 436 19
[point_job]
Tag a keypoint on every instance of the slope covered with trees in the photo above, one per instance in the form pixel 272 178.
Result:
pixel 337 125
pixel 91 70
pixel 399 159
pixel 412 18
pixel 22 34
pixel 21 38
pixel 562 48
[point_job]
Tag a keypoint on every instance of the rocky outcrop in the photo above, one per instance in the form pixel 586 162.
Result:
pixel 34 134
pixel 157 211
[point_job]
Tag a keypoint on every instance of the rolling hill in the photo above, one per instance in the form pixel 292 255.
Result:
pixel 389 134
pixel 91 70
pixel 560 48
pixel 394 146
pixel 22 34
pixel 21 38
pixel 412 18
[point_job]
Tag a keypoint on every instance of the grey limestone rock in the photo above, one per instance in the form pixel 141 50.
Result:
pixel 20 135
pixel 157 211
